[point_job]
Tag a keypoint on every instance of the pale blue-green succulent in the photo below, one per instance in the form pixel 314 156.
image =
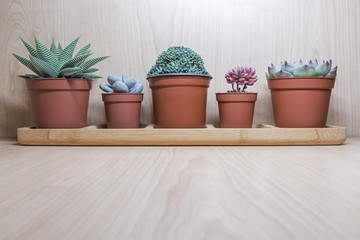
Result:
pixel 121 84
pixel 300 69
pixel 58 62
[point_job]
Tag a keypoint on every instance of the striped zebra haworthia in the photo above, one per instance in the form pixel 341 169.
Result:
pixel 58 62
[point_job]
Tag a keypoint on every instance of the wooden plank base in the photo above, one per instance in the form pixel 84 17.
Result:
pixel 260 134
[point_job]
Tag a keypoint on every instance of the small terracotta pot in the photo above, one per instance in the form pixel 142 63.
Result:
pixel 179 100
pixel 236 110
pixel 122 109
pixel 59 102
pixel 301 102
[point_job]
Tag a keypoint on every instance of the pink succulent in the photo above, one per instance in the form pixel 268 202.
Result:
pixel 241 76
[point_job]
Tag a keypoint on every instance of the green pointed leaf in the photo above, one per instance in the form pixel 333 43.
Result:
pixel 68 51
pixel 23 76
pixel 75 61
pixel 83 51
pixel 30 48
pixel 27 63
pixel 60 49
pixel 85 65
pixel 43 67
pixel 91 70
pixel 69 71
pixel 47 55
pixel 87 76
pixel 27 76
pixel 54 50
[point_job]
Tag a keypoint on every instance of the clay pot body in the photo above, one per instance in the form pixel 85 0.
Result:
pixel 301 102
pixel 236 110
pixel 122 109
pixel 59 102
pixel 179 100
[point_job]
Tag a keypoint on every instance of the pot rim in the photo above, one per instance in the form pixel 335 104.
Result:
pixel 122 97
pixel 181 74
pixel 59 79
pixel 122 94
pixel 59 84
pixel 301 83
pixel 298 78
pixel 236 93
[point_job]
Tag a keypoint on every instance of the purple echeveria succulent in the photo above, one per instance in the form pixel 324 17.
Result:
pixel 241 76
pixel 324 68
pixel 283 73
pixel 332 73
pixel 273 70
pixel 301 69
pixel 313 63
pixel 288 67
pixel 305 71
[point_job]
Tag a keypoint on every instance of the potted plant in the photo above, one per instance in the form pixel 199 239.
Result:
pixel 179 83
pixel 122 101
pixel 236 107
pixel 300 93
pixel 59 88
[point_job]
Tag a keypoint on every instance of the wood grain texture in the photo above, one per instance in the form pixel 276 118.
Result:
pixel 225 33
pixel 260 134
pixel 179 192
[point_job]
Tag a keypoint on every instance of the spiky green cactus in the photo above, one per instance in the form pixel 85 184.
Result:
pixel 57 62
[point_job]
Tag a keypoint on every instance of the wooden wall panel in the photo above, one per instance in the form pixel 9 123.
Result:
pixel 225 33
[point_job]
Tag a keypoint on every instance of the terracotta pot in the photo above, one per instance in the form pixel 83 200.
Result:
pixel 179 100
pixel 236 110
pixel 122 109
pixel 301 102
pixel 59 102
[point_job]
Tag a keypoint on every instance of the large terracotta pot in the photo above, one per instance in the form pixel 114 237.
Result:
pixel 301 102
pixel 236 110
pixel 59 102
pixel 179 100
pixel 122 109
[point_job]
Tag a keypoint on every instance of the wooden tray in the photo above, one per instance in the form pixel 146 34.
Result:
pixel 260 134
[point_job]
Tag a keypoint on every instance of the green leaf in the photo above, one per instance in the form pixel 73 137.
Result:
pixel 27 63
pixel 75 61
pixel 47 55
pixel 30 48
pixel 87 76
pixel 45 69
pixel 68 51
pixel 69 71
pixel 27 76
pixel 85 65
pixel 54 50
pixel 91 70
pixel 60 49
pixel 83 51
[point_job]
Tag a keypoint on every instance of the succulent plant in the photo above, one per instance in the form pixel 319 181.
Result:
pixel 122 84
pixel 178 59
pixel 300 69
pixel 241 76
pixel 58 62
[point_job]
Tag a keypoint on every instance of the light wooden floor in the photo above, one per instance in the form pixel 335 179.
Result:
pixel 180 192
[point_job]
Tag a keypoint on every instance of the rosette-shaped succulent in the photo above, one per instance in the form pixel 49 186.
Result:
pixel 122 84
pixel 241 76
pixel 300 69
pixel 58 62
